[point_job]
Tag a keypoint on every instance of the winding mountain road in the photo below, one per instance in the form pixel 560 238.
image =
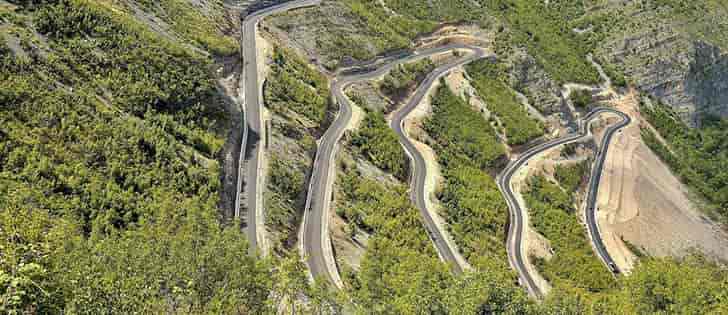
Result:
pixel 515 231
pixel 250 180
pixel 445 249
pixel 314 239
pixel 315 244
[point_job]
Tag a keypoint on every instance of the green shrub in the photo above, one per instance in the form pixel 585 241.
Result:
pixel 400 272
pixel 467 147
pixel 294 86
pixel 380 145
pixel 573 176
pixel 489 82
pixel 581 98
pixel 404 77
pixel 552 214
pixel 545 30
pixel 461 132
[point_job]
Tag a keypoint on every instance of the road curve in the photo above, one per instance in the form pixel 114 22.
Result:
pixel 446 250
pixel 316 247
pixel 514 244
pixel 591 200
pixel 250 188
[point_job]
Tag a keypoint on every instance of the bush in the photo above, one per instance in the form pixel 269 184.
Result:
pixel 545 30
pixel 489 82
pixel 403 78
pixel 573 176
pixel 380 145
pixel 553 216
pixel 400 272
pixel 294 86
pixel 461 133
pixel 467 147
pixel 581 98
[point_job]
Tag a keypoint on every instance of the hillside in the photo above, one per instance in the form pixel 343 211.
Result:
pixel 114 127
pixel 121 123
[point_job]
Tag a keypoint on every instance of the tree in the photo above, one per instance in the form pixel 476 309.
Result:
pixel 581 98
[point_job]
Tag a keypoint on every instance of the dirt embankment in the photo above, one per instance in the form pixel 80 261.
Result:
pixel 642 202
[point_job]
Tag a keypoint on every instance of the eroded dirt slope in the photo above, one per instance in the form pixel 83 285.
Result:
pixel 641 201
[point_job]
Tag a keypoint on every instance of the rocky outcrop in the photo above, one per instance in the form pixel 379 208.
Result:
pixel 528 78
pixel 707 81
pixel 688 75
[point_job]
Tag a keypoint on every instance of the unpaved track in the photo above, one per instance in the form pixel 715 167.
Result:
pixel 315 243
pixel 514 245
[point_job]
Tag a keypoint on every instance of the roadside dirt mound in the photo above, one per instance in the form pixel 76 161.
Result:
pixel 641 201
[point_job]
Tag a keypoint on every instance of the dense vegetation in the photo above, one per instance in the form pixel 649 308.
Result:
pixel 438 10
pixel 571 177
pixel 467 149
pixel 201 25
pixel 109 184
pixel 204 25
pixel 569 150
pixel 462 133
pixel 380 145
pixel 401 273
pixel 106 157
pixel 300 100
pixel 294 87
pixel 554 216
pixel 545 29
pixel 283 198
pixel 655 286
pixel 581 98
pixel 612 72
pixel 501 100
pixel 398 30
pixel 403 78
pixel 369 29
pixel 108 180
pixel 698 156
pixel 179 263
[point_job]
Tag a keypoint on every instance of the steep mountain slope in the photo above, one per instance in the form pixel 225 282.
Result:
pixel 673 50
pixel 119 120
pixel 112 134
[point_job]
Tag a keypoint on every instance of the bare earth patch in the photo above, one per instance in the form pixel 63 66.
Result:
pixel 641 201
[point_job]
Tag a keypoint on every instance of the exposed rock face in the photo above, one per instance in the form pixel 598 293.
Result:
pixel 707 81
pixel 529 78
pixel 690 76
pixel 657 62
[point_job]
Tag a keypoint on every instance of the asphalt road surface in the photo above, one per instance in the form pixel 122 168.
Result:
pixel 250 180
pixel 419 169
pixel 314 236
pixel 315 243
pixel 515 230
